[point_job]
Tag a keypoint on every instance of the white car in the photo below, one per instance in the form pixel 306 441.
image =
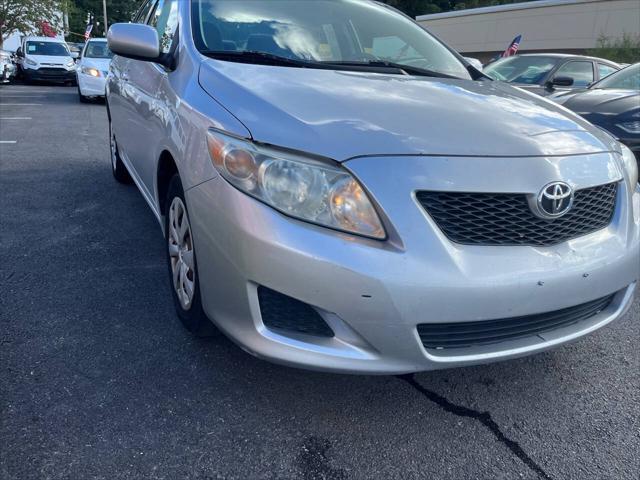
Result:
pixel 7 68
pixel 93 68
pixel 46 59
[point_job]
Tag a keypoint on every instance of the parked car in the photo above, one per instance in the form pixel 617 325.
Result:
pixel 547 73
pixel 75 49
pixel 7 66
pixel 613 104
pixel 93 68
pixel 340 192
pixel 45 59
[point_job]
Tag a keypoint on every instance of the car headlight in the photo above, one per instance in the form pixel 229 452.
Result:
pixel 298 186
pixel 71 63
pixel 94 72
pixel 30 62
pixel 630 163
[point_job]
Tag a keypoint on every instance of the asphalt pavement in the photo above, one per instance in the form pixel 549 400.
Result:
pixel 98 379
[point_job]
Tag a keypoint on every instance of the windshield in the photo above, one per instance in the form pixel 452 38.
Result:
pixel 97 50
pixel 626 79
pixel 319 31
pixel 47 48
pixel 529 70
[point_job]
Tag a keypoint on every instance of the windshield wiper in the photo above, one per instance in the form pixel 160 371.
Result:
pixel 264 58
pixel 261 58
pixel 407 69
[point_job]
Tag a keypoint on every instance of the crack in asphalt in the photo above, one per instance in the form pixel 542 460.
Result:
pixel 484 418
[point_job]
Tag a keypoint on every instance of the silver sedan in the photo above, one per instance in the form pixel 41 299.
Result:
pixel 341 191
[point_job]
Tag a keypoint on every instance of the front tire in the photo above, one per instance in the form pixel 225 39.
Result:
pixel 82 98
pixel 120 172
pixel 181 262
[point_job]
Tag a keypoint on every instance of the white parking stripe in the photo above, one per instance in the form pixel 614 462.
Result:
pixel 15 118
pixel 21 104
pixel 8 141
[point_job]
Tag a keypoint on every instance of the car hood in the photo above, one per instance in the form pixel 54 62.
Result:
pixel 49 59
pixel 604 101
pixel 341 114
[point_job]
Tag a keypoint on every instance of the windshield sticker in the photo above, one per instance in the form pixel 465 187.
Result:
pixel 31 48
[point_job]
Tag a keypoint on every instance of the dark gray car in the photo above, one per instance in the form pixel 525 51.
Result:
pixel 548 73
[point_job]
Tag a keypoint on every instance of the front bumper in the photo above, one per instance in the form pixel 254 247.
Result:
pixel 49 75
pixel 91 86
pixel 374 294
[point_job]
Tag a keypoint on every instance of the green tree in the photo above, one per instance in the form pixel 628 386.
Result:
pixel 78 10
pixel 623 50
pixel 414 8
pixel 26 15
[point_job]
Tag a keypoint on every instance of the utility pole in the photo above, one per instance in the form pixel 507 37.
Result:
pixel 65 18
pixel 104 11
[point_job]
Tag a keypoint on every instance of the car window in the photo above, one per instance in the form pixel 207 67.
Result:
pixel 625 79
pixel 347 31
pixel 521 69
pixel 581 72
pixel 143 13
pixel 47 48
pixel 165 20
pixel 97 50
pixel 393 49
pixel 605 70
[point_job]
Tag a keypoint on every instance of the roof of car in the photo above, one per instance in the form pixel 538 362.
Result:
pixel 99 39
pixel 43 39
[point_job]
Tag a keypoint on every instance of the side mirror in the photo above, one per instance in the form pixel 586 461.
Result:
pixel 19 52
pixel 562 82
pixel 75 55
pixel 134 40
pixel 475 63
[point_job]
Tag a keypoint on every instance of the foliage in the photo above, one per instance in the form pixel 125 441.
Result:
pixel 621 50
pixel 26 16
pixel 414 8
pixel 117 11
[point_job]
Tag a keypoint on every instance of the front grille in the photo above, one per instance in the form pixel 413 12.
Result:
pixel 507 219
pixel 283 313
pixel 54 72
pixel 469 334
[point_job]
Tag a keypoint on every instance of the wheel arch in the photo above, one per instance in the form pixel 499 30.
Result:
pixel 167 168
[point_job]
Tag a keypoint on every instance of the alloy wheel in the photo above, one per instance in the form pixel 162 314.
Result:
pixel 181 253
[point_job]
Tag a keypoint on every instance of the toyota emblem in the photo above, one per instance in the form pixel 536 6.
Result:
pixel 555 200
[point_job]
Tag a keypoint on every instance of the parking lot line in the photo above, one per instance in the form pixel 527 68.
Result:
pixel 15 118
pixel 4 92
pixel 22 104
pixel 41 92
pixel 8 141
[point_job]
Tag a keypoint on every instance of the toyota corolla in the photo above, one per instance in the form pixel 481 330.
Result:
pixel 341 191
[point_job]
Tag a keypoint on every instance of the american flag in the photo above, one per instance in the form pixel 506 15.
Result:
pixel 87 32
pixel 513 48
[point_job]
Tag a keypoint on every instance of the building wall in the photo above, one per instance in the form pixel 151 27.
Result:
pixel 545 25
